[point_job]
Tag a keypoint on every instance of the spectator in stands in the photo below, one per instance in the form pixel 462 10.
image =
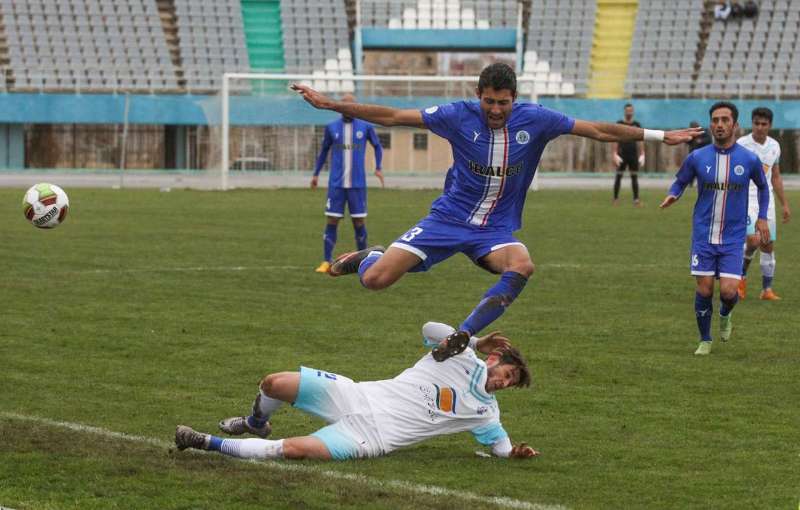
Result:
pixel 347 184
pixel 628 155
pixel 750 9
pixel 722 10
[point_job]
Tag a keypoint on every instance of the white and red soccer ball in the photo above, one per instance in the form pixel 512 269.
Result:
pixel 45 205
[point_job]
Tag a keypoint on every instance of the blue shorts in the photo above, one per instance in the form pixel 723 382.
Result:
pixel 434 239
pixel 352 432
pixel 356 199
pixel 720 260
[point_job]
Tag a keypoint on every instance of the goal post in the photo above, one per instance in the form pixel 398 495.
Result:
pixel 277 130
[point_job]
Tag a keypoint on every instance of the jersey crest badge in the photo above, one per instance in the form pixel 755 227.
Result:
pixel 359 135
pixel 523 137
pixel 738 170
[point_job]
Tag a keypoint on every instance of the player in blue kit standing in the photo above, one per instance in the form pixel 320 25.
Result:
pixel 496 143
pixel 347 183
pixel 719 224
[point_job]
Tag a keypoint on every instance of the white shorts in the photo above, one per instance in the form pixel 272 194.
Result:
pixel 352 432
pixel 752 216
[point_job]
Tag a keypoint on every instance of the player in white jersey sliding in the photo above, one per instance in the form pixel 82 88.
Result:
pixel 373 418
pixel 769 152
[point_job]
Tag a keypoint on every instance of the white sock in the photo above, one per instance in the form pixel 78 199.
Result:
pixel 434 332
pixel 264 406
pixel 767 262
pixel 253 448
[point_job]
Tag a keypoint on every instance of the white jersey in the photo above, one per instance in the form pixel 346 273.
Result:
pixel 769 153
pixel 431 399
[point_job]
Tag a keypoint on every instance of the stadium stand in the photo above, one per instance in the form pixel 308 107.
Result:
pixel 169 46
pixel 559 44
pixel 664 49
pixel 753 57
pixel 439 14
pixel 87 44
pixel 211 41
pixel 316 41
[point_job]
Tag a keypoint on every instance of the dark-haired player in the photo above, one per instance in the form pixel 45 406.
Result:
pixel 496 143
pixel 628 155
pixel 373 418
pixel 769 152
pixel 723 172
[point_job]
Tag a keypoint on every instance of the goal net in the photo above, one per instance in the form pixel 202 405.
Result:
pixel 260 129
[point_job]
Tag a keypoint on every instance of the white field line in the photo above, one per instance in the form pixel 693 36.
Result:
pixel 399 485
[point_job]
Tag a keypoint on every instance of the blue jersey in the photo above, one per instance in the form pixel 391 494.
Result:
pixel 349 143
pixel 723 180
pixel 492 168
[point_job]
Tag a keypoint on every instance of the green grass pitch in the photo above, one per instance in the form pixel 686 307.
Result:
pixel 148 309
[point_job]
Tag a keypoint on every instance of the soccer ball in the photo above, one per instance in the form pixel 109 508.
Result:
pixel 45 205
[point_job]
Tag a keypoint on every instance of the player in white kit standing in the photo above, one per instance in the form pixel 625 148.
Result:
pixel 769 152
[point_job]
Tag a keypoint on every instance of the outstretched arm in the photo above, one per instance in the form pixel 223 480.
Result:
pixel 606 132
pixel 383 115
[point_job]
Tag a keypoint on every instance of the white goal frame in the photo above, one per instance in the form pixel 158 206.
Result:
pixel 309 78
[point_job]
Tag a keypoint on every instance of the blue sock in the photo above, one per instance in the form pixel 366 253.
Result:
pixel 255 422
pixel 329 241
pixel 367 263
pixel 494 302
pixel 361 237
pixel 215 443
pixel 766 282
pixel 726 306
pixel 703 309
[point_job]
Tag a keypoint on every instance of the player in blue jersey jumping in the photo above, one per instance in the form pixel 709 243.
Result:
pixel 347 183
pixel 719 224
pixel 497 144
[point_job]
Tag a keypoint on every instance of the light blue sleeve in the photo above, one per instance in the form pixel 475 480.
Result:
pixel 490 433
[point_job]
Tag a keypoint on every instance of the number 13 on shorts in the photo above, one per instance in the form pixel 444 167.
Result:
pixel 411 234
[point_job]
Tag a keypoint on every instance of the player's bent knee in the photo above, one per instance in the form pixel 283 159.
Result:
pixel 271 384
pixel 377 280
pixel 525 268
pixel 728 294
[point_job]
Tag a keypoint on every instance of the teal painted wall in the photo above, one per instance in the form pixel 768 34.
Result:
pixel 282 110
pixel 12 146
pixel 440 40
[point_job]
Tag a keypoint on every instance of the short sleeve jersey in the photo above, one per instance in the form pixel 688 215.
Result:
pixel 769 153
pixel 492 168
pixel 348 141
pixel 431 399
pixel 723 178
